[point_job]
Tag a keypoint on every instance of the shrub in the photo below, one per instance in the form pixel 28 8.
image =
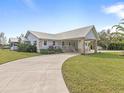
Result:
pixel 44 51
pixel 6 47
pixel 116 46
pixel 58 50
pixel 51 50
pixel 27 48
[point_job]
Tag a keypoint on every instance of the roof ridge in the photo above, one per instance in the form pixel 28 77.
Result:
pixel 75 33
pixel 41 32
pixel 62 32
pixel 76 29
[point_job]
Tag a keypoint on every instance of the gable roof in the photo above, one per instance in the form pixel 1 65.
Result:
pixel 77 33
pixel 23 39
pixel 42 35
pixel 13 40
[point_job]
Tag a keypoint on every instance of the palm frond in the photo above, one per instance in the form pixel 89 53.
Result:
pixel 119 27
pixel 121 23
pixel 122 19
pixel 115 26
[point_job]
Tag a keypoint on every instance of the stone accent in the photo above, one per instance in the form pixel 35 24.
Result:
pixel 81 46
pixel 39 43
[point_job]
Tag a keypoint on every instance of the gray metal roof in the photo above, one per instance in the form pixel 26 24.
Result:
pixel 23 39
pixel 77 33
pixel 42 35
pixel 13 40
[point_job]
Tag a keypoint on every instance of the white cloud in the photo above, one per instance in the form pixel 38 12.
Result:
pixel 30 4
pixel 117 9
pixel 108 27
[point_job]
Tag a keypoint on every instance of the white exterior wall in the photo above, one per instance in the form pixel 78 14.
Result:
pixel 50 43
pixel 58 44
pixel 40 43
pixel 90 35
pixel 32 38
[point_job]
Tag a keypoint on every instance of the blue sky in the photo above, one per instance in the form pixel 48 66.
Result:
pixel 53 16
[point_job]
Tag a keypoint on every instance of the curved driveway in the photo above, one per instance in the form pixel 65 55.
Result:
pixel 41 74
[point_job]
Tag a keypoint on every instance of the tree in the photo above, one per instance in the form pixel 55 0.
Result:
pixel 120 28
pixel 2 39
pixel 117 37
pixel 105 38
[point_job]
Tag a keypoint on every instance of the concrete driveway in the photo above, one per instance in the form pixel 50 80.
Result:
pixel 41 74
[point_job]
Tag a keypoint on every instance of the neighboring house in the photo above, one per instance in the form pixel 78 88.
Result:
pixel 13 43
pixel 81 40
pixel 99 48
pixel 22 39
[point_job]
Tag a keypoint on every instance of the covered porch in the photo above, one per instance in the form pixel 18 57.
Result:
pixel 87 46
pixel 83 46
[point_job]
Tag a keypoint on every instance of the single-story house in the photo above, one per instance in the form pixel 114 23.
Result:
pixel 81 40
pixel 13 43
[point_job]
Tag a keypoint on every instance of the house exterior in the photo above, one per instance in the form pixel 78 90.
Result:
pixel 13 43
pixel 81 40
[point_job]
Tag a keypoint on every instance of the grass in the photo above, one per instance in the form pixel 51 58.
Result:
pixel 97 73
pixel 7 55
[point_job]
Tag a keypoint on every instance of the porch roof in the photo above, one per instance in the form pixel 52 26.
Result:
pixel 13 40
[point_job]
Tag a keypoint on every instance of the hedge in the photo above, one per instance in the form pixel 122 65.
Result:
pixel 51 51
pixel 116 46
pixel 27 48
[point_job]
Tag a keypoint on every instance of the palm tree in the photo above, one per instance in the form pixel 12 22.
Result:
pixel 120 27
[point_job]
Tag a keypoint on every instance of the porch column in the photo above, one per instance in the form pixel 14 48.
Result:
pixel 81 46
pixel 38 46
pixel 95 46
pixel 84 50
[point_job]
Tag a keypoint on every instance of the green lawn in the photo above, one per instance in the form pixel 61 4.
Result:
pixel 7 55
pixel 97 73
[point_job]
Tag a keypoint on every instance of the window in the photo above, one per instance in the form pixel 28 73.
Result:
pixel 45 43
pixel 62 43
pixel 15 44
pixel 69 43
pixel 35 42
pixel 74 43
pixel 54 42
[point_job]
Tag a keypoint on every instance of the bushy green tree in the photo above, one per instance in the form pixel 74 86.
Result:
pixel 109 39
pixel 2 39
pixel 105 38
pixel 26 47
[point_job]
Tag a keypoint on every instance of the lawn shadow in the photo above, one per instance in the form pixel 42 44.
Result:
pixel 108 55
